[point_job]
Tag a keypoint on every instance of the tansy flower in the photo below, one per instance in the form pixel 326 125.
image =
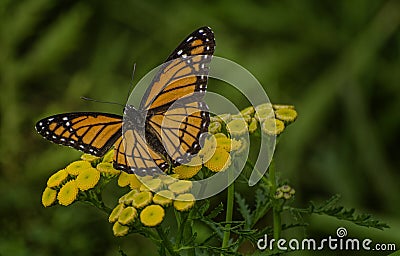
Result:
pixel 278 194
pixel 273 126
pixel 279 106
pixel 263 112
pixel 214 127
pixel 208 149
pixel 120 230
pixel 243 146
pixel 219 135
pixel 152 215
pixel 152 185
pixel 127 216
pixel 107 170
pixel 215 119
pixel 88 157
pixel 128 197
pixel 180 186
pixel 88 178
pixel 248 111
pixel 184 202
pixel 108 157
pixel 163 197
pixel 68 193
pixel 49 197
pixel 287 115
pixel 219 161
pixel 253 125
pixel 169 179
pixel 187 171
pixel 141 199
pixel 246 118
pixel 225 143
pixel 126 179
pixel 75 167
pixel 225 118
pixel 116 212
pixel 237 127
pixel 57 179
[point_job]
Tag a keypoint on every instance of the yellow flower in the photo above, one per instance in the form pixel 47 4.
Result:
pixel 225 143
pixel 57 179
pixel 186 171
pixel 120 230
pixel 88 178
pixel 246 118
pixel 116 212
pixel 163 197
pixel 128 197
pixel 152 215
pixel 141 199
pixel 168 179
pixel 247 111
pixel 88 157
pixel 68 193
pixel 219 135
pixel 127 216
pixel 279 106
pixel 180 186
pixel 107 170
pixel 151 185
pixel 264 111
pixel 49 197
pixel 287 115
pixel 108 157
pixel 219 161
pixel 273 126
pixel 126 179
pixel 243 146
pixel 184 202
pixel 253 125
pixel 208 149
pixel 214 127
pixel 225 117
pixel 236 144
pixel 75 167
pixel 237 127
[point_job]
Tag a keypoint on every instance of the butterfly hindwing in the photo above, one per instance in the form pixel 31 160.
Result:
pixel 90 132
pixel 132 155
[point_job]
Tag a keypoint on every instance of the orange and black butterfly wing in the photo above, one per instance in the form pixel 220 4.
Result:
pixel 133 155
pixel 90 132
pixel 184 72
pixel 176 114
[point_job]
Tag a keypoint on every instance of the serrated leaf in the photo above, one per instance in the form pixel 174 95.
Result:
pixel 244 210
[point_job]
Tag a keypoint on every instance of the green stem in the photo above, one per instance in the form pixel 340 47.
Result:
pixel 276 211
pixel 229 212
pixel 166 242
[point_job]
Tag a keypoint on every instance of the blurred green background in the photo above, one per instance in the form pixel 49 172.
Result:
pixel 338 62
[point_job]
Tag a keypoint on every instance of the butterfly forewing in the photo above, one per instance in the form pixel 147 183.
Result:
pixel 92 133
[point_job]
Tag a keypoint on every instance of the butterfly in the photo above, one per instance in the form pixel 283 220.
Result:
pixel 166 129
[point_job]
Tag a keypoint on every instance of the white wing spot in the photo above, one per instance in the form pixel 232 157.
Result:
pixel 201 31
pixel 50 119
pixel 184 55
pixel 67 123
pixel 65 118
pixel 189 38
pixel 179 52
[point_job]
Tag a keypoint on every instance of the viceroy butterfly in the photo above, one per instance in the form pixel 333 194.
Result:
pixel 166 127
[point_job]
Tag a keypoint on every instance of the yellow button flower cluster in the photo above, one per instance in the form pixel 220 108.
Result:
pixel 65 185
pixel 146 202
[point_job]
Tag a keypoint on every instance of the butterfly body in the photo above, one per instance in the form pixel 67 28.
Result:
pixel 165 130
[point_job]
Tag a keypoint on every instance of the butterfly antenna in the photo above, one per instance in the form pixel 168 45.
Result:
pixel 100 101
pixel 132 85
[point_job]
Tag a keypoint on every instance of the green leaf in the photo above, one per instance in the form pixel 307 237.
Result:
pixel 214 213
pixel 244 210
pixel 330 208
